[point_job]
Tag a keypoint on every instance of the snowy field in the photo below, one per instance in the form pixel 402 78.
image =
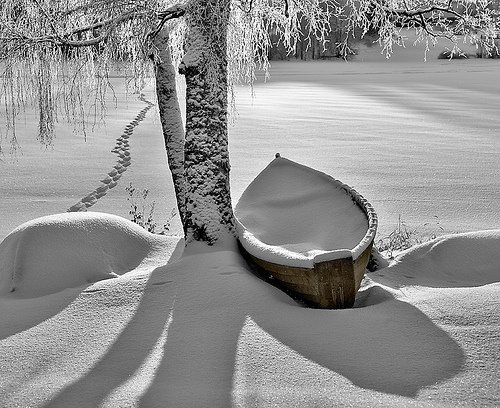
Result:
pixel 114 327
pixel 419 140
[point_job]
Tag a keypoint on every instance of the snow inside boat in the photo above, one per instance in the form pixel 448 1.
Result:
pixel 311 233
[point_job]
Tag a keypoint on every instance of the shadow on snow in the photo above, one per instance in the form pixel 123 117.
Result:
pixel 384 344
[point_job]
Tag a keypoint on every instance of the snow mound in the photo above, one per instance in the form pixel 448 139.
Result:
pixel 294 215
pixel 60 251
pixel 467 259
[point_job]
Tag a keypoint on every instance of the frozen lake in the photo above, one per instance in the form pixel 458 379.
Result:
pixel 419 140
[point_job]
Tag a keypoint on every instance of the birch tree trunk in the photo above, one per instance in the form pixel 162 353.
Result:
pixel 171 120
pixel 209 211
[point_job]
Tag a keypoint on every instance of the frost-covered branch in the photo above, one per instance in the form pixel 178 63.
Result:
pixel 476 22
pixel 81 41
pixel 254 23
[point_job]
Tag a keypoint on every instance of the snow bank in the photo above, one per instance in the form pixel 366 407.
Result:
pixel 49 254
pixel 467 259
pixel 204 331
pixel 294 215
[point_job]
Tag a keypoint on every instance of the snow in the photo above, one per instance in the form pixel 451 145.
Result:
pixel 60 251
pixel 204 331
pixel 466 259
pixel 38 181
pixel 294 215
pixel 416 139
pixel 121 149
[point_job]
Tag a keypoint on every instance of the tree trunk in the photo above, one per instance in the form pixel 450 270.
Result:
pixel 171 120
pixel 209 212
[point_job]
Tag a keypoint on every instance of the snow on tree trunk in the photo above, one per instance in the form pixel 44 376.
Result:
pixel 171 120
pixel 209 211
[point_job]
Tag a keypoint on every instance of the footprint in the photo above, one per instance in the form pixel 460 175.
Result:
pixel 121 149
pixel 90 203
pixel 101 189
pixel 89 198
pixel 77 207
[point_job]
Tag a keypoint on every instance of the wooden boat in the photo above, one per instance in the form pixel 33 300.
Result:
pixel 311 234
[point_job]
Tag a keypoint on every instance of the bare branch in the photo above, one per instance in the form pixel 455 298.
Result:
pixel 112 24
pixel 171 13
pixel 47 16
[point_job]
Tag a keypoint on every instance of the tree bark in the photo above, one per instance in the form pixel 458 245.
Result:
pixel 171 120
pixel 209 212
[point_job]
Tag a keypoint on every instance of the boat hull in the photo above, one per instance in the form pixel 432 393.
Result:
pixel 312 234
pixel 331 284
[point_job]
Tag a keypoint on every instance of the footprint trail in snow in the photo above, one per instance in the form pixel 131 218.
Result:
pixel 122 150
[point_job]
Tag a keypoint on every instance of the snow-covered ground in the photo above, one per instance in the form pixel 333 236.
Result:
pixel 204 331
pixel 40 181
pixel 417 140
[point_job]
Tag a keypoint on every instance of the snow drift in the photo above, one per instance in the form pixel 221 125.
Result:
pixel 204 331
pixel 49 254
pixel 457 260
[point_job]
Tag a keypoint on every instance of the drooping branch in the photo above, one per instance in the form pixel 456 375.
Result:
pixel 287 14
pixel 475 22
pixel 81 40
pixel 106 28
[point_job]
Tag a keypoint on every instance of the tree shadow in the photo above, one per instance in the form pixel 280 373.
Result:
pixel 383 344
pixel 20 314
pixel 132 347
